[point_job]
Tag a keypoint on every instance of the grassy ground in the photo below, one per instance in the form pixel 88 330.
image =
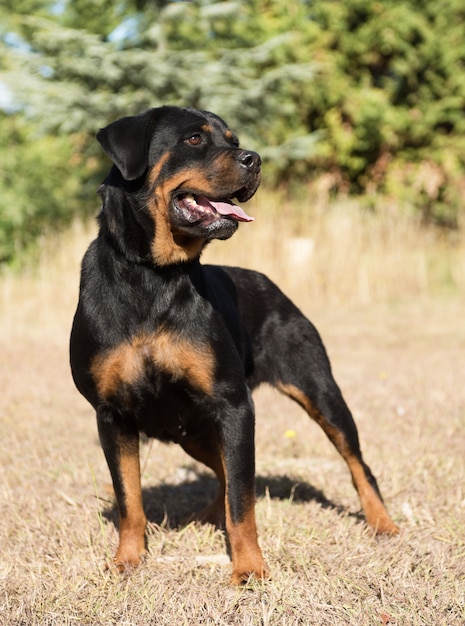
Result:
pixel 396 339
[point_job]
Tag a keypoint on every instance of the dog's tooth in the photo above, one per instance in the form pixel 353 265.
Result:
pixel 190 200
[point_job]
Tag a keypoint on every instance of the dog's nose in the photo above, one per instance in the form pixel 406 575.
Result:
pixel 250 160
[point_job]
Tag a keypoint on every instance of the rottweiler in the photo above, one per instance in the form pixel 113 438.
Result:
pixel 164 346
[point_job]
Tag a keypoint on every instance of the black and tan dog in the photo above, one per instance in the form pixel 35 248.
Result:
pixel 164 346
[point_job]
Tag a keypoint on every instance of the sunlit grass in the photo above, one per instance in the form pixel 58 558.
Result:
pixel 374 285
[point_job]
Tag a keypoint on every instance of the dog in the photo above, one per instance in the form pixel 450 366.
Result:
pixel 164 346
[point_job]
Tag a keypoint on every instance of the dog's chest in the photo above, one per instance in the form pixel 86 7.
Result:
pixel 136 362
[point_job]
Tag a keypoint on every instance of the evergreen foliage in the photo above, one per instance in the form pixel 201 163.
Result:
pixel 371 92
pixel 42 185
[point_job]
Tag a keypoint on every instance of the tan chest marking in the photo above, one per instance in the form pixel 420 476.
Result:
pixel 176 356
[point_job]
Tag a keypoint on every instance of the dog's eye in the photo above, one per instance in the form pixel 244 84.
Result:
pixel 194 140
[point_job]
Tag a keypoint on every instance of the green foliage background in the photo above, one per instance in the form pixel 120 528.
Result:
pixel 371 93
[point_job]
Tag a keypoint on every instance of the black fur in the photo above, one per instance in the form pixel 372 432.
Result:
pixel 165 346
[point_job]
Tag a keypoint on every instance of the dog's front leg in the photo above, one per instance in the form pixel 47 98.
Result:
pixel 121 448
pixel 238 454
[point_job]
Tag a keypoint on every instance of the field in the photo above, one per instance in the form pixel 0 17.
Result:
pixel 386 299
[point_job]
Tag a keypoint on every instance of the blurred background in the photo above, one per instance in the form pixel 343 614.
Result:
pixel 356 106
pixel 358 110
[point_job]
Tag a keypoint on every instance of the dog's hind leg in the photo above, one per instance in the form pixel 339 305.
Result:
pixel 206 449
pixel 302 371
pixel 334 417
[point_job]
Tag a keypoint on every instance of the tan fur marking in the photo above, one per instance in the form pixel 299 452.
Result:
pixel 173 354
pixel 122 365
pixel 132 525
pixel 207 128
pixel 228 134
pixel 168 246
pixel 246 555
pixel 183 359
pixel 207 452
pixel 157 168
pixel 375 511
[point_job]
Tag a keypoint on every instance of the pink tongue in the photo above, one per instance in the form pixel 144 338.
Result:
pixel 225 208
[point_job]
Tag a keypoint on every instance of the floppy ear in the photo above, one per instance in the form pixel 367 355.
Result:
pixel 126 142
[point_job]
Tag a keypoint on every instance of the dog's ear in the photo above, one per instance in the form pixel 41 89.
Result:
pixel 126 142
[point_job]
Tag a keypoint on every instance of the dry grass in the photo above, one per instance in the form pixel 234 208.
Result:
pixel 337 254
pixel 398 354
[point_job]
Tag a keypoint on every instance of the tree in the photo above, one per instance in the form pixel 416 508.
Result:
pixel 371 91
pixel 37 193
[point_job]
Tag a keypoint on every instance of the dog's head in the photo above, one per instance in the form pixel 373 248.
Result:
pixel 185 167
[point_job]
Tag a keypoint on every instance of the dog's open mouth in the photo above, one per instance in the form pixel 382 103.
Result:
pixel 195 209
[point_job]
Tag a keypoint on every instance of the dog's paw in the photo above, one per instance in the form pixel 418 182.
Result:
pixel 128 557
pixel 243 575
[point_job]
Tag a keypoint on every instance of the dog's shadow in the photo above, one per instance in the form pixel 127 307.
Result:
pixel 173 504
